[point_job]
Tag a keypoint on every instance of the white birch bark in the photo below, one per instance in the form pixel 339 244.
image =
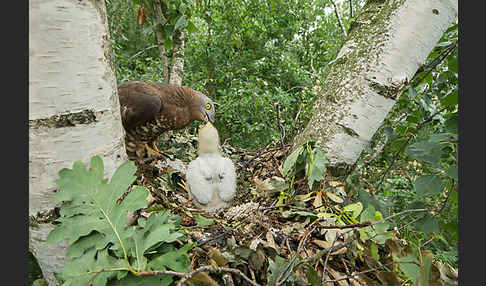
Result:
pixel 390 40
pixel 177 70
pixel 73 106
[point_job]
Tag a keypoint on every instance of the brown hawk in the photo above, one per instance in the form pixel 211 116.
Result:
pixel 148 109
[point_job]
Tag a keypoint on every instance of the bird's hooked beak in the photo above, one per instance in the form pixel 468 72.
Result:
pixel 210 117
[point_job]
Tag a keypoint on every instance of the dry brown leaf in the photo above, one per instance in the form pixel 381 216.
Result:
pixel 205 278
pixel 216 255
pixel 388 278
pixel 336 275
pixel 335 183
pixel 326 245
pixel 365 280
pixel 280 170
pixel 335 198
pixel 271 242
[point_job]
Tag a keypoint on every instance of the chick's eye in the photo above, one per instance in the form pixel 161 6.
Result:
pixel 208 106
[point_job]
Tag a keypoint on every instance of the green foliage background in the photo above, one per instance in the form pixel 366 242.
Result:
pixel 247 55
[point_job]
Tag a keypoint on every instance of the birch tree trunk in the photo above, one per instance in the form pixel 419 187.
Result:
pixel 177 69
pixel 74 111
pixel 390 40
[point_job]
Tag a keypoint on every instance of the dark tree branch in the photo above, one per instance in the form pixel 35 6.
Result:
pixel 339 18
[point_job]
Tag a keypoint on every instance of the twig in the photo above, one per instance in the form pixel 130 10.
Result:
pixel 138 53
pixel 398 214
pixel 330 250
pixel 298 112
pixel 339 18
pixel 212 269
pixel 435 62
pixel 288 270
pixel 447 197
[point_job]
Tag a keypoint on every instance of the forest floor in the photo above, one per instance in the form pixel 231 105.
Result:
pixel 273 233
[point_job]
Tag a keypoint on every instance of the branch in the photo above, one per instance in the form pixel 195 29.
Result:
pixel 339 18
pixel 435 62
pixel 138 53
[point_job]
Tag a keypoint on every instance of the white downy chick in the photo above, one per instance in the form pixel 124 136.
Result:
pixel 211 177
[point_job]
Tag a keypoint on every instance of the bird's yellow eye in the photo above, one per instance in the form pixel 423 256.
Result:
pixel 208 106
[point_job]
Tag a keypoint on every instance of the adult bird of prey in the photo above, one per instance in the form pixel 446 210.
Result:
pixel 149 109
pixel 211 178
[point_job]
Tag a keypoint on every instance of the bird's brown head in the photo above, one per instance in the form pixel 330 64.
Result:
pixel 203 108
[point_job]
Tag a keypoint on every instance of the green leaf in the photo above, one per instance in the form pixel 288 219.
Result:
pixel 202 221
pixel 312 276
pixel 317 168
pixel 86 242
pixel 440 137
pixel 450 99
pixel 425 151
pixel 291 160
pixel 191 27
pixel 366 199
pixel 428 185
pixel 92 202
pixel 451 124
pixel 77 271
pixel 452 172
pixel 374 251
pixel 174 259
pixel 275 268
pixel 428 224
pixel 355 208
pixel 412 94
pixel 381 229
pixel 181 23
pixel 452 63
pixel 306 214
pixel 411 270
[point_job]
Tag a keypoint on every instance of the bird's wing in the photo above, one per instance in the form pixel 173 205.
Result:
pixel 227 179
pixel 199 180
pixel 137 107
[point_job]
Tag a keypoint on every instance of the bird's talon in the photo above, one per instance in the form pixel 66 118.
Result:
pixel 183 185
pixel 153 151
